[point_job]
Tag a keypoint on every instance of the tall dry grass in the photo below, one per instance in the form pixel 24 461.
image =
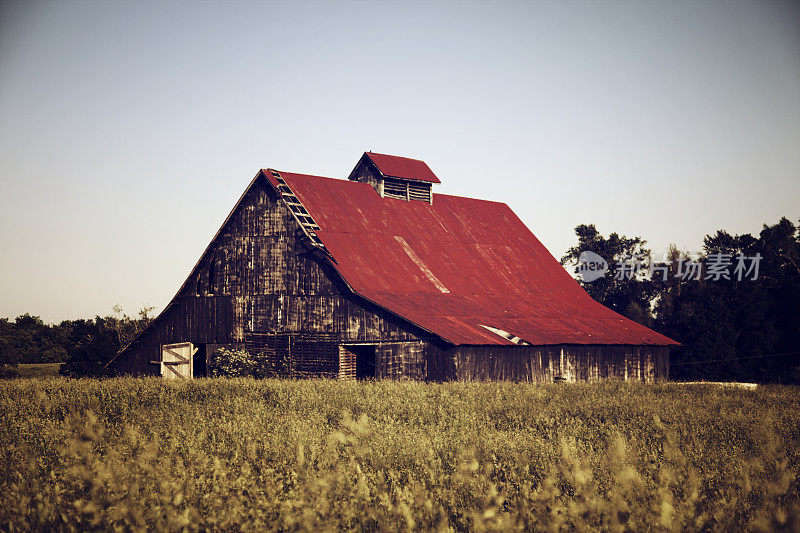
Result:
pixel 143 454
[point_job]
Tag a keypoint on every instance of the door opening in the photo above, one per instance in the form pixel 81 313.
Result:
pixel 365 361
pixel 199 362
pixel 357 361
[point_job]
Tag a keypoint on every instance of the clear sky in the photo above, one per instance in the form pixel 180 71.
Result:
pixel 129 129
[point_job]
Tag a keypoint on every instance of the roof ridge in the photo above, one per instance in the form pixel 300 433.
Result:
pixel 345 180
pixel 397 156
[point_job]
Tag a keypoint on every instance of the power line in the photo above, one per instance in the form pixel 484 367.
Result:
pixel 734 359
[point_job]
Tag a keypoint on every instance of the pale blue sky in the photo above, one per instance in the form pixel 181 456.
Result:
pixel 129 129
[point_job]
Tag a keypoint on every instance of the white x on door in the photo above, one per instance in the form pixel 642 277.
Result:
pixel 176 360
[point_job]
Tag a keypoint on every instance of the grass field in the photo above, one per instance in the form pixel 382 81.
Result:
pixel 319 455
pixel 38 370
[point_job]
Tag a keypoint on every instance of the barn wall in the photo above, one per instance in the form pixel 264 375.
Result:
pixel 203 320
pixel 258 284
pixel 545 364
pixel 313 356
pixel 401 360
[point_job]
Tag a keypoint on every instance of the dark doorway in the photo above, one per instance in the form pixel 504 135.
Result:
pixel 365 360
pixel 199 369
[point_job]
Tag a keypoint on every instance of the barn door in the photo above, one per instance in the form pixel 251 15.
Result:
pixel 176 360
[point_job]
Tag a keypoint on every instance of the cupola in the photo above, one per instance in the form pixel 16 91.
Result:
pixel 396 177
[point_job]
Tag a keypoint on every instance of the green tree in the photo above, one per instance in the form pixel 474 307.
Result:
pixel 621 289
pixel 724 325
pixel 127 328
pixel 29 340
pixel 727 322
pixel 8 357
pixel 90 345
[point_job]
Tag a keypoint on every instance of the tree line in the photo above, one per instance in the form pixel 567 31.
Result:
pixel 734 306
pixel 85 346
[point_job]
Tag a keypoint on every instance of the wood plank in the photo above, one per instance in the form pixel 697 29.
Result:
pixel 169 367
pixel 180 357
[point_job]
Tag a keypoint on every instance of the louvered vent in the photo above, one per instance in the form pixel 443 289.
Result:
pixel 397 177
pixel 405 190
pixel 395 189
pixel 420 191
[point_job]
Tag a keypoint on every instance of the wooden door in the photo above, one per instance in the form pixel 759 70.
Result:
pixel 176 360
pixel 347 364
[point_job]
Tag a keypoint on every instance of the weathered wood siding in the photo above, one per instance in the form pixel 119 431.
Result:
pixel 401 360
pixel 549 363
pixel 257 284
pixel 366 172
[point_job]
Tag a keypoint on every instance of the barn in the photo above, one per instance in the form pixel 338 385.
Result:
pixel 378 277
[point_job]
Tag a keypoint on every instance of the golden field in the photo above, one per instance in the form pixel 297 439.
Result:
pixel 241 454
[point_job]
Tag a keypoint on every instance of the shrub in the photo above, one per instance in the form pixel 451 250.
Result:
pixel 238 363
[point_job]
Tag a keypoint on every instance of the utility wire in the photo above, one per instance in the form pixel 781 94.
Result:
pixel 734 359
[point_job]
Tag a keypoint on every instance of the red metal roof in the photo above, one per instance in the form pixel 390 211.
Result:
pixel 456 265
pixel 403 167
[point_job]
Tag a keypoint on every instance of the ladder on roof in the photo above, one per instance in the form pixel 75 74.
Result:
pixel 298 210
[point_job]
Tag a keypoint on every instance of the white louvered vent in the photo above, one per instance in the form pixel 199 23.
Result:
pixel 407 190
pixel 395 189
pixel 420 191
